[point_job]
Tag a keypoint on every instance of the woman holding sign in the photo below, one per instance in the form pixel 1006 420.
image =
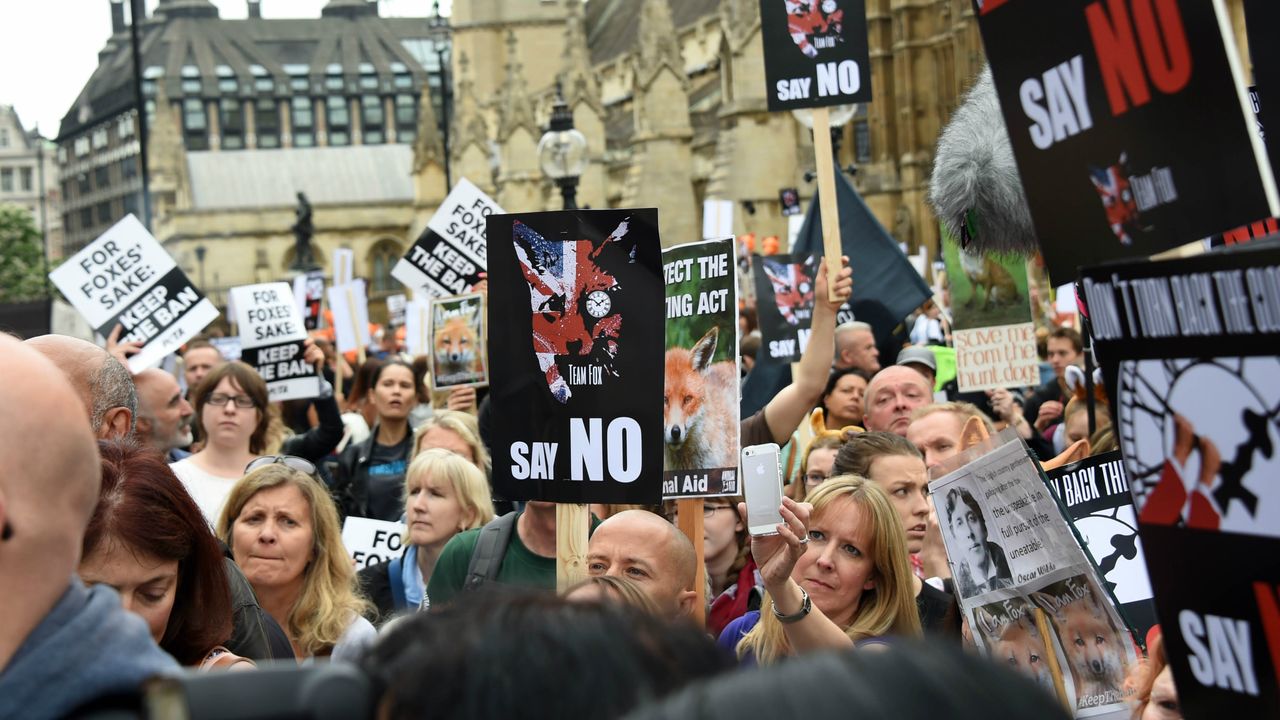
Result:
pixel 370 478
pixel 444 495
pixel 841 569
pixel 283 532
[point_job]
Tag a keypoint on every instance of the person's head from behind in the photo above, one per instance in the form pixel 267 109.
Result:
pixel 936 429
pixel 1065 347
pixel 444 495
pixel 103 384
pixel 856 347
pixel 395 390
pixel 360 397
pixel 164 415
pixel 517 656
pixel 611 588
pixel 647 549
pixel 231 409
pixel 817 463
pixel 456 431
pixel 199 359
pixel 967 527
pixel 892 395
pixel 894 464
pixel 842 399
pixel 283 531
pixel 49 493
pixel 1076 417
pixel 149 541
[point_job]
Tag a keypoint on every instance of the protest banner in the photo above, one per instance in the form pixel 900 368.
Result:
pixel 350 307
pixel 789 200
pixel 126 278
pixel 271 340
pixel 815 53
pixel 395 310
pixel 1024 583
pixel 459 354
pixel 371 542
pixel 1095 493
pixel 1122 157
pixel 995 337
pixel 308 293
pixel 228 347
pixel 784 303
pixel 417 327
pixel 451 253
pixel 700 402
pixel 344 264
pixel 1262 17
pixel 1188 350
pixel 576 344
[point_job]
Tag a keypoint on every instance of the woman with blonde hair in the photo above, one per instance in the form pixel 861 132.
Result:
pixel 611 589
pixel 282 528
pixel 834 577
pixel 444 495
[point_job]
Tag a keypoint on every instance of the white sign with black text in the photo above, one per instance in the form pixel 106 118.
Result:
pixel 370 542
pixel 271 340
pixel 451 254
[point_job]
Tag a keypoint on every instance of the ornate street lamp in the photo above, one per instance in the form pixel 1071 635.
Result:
pixel 562 152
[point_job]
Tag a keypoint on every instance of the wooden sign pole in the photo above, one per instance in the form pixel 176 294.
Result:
pixel 355 326
pixel 829 210
pixel 1055 670
pixel 690 523
pixel 573 525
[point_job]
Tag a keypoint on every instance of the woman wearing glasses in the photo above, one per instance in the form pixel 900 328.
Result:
pixel 444 495
pixel 283 531
pixel 816 464
pixel 369 481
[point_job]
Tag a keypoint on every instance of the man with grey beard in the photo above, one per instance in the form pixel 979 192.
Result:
pixel 164 415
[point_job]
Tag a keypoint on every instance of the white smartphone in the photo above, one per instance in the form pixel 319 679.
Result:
pixel 762 483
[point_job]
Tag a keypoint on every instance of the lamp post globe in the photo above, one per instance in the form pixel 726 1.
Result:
pixel 562 153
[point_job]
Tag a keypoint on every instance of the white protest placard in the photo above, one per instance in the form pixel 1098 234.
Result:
pixel 395 310
pixel 350 308
pixel 717 218
pixel 271 340
pixel 417 327
pixel 126 278
pixel 228 347
pixel 451 253
pixel 370 542
pixel 308 292
pixel 344 263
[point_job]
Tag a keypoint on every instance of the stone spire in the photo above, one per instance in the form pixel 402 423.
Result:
pixel 469 146
pixel 738 20
pixel 578 81
pixel 166 158
pixel 658 47
pixel 428 146
pixel 516 110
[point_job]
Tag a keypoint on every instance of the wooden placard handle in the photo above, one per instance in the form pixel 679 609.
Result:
pixel 829 211
pixel 690 523
pixel 573 524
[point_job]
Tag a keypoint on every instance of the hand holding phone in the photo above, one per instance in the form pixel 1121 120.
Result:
pixel 762 485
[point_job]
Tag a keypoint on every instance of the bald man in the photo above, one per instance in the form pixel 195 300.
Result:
pixel 62 646
pixel 645 548
pixel 164 415
pixel 104 385
pixel 892 395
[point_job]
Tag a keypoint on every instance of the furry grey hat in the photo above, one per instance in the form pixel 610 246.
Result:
pixel 974 170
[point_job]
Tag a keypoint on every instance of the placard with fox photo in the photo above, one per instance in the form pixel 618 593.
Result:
pixel 784 303
pixel 815 52
pixel 1010 633
pixel 576 342
pixel 700 410
pixel 458 351
pixel 991 318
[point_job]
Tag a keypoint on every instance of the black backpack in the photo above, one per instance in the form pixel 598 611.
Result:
pixel 491 548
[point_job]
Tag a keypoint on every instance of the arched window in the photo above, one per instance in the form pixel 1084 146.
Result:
pixel 382 257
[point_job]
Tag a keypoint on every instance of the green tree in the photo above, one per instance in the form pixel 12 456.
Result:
pixel 22 266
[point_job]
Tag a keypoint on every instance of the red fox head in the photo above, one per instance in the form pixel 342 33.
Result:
pixel 683 397
pixel 455 345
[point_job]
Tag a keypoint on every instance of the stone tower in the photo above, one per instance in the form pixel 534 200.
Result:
pixel 520 179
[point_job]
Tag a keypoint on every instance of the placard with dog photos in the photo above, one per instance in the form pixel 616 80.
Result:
pixel 1129 123
pixel 459 354
pixel 576 329
pixel 1189 355
pixel 991 322
pixel 815 52
pixel 700 411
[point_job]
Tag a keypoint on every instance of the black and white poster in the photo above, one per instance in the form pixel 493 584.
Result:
pixel 1095 492
pixel 576 327
pixel 1189 351
pixel 308 293
pixel 271 340
pixel 789 200
pixel 126 278
pixel 1129 122
pixel 450 255
pixel 815 53
pixel 784 303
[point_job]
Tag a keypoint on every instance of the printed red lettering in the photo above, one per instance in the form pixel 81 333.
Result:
pixel 1164 47
pixel 1164 44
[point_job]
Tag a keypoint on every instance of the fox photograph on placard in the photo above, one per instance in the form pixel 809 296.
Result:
pixel 700 408
pixel 458 351
pixel 576 330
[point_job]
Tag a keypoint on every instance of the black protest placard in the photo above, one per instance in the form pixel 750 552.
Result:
pixel 1188 349
pixel 576 341
pixel 815 52
pixel 1095 493
pixel 1129 123
pixel 459 355
pixel 1262 18
pixel 784 303
pixel 700 398
pixel 451 253
pixel 126 278
pixel 271 339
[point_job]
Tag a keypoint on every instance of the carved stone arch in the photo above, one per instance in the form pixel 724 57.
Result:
pixel 382 256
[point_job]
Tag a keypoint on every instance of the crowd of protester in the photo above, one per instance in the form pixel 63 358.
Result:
pixel 181 520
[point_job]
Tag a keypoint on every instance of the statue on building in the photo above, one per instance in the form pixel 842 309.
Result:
pixel 903 228
pixel 302 232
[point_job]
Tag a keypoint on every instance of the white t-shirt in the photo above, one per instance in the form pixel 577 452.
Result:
pixel 208 490
pixel 357 638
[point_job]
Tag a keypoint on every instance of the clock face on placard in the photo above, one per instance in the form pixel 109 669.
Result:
pixel 1232 406
pixel 598 303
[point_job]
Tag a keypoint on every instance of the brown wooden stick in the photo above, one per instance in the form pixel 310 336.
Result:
pixel 690 523
pixel 573 524
pixel 829 210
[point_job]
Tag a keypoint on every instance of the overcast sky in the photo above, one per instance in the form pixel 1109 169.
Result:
pixel 50 47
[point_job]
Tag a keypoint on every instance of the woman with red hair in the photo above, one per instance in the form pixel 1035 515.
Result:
pixel 149 541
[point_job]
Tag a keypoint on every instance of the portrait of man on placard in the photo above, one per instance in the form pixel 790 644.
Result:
pixel 978 563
